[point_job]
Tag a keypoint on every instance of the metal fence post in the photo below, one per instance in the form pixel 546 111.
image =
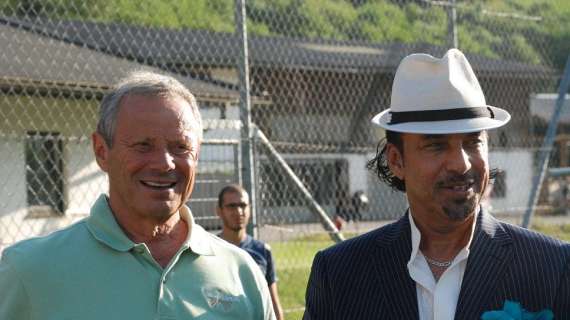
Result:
pixel 326 222
pixel 245 113
pixel 452 24
pixel 546 147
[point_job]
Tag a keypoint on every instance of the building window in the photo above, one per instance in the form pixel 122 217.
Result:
pixel 44 173
pixel 500 185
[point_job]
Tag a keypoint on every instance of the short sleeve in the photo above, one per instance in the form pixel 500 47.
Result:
pixel 14 301
pixel 270 274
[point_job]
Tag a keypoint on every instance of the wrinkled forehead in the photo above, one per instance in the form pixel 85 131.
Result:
pixel 185 112
pixel 161 115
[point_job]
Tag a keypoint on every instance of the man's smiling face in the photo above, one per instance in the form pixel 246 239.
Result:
pixel 152 163
pixel 445 173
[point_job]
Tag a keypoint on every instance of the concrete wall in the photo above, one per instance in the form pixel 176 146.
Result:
pixel 83 185
pixel 74 120
pixel 518 167
pixel 85 180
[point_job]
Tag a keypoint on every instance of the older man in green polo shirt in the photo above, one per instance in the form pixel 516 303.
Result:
pixel 139 255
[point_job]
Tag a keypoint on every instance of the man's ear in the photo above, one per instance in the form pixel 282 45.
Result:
pixel 395 160
pixel 101 151
pixel 219 211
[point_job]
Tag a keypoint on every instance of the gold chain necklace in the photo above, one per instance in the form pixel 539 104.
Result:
pixel 441 264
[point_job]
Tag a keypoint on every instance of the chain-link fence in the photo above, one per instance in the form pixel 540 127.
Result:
pixel 318 70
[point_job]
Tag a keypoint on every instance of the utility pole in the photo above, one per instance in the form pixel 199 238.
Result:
pixel 452 24
pixel 451 8
pixel 247 163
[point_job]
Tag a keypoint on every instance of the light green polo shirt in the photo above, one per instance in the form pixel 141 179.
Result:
pixel 92 270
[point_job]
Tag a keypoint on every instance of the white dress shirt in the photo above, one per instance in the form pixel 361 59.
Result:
pixel 437 300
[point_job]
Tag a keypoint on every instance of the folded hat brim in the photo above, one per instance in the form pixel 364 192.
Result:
pixel 501 117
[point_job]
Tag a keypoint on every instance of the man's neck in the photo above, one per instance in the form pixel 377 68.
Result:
pixel 232 236
pixel 442 241
pixel 163 238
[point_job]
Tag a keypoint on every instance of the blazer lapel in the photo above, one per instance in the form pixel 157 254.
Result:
pixel 390 259
pixel 490 253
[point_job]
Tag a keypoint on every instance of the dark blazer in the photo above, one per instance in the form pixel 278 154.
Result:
pixel 367 277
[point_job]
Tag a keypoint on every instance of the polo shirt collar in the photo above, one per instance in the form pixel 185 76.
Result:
pixel 104 227
pixel 198 239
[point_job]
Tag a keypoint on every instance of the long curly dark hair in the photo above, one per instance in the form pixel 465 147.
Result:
pixel 379 164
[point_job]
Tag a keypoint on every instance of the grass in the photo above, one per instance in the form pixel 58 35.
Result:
pixel 294 259
pixel 560 231
pixel 293 262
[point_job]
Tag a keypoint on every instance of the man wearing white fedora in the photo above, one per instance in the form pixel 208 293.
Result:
pixel 446 258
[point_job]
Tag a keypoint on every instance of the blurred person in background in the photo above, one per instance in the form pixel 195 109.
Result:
pixel 139 254
pixel 351 209
pixel 446 257
pixel 234 211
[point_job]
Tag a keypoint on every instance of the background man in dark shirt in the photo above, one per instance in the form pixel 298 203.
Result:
pixel 234 210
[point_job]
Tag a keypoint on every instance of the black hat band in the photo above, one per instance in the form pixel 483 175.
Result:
pixel 440 115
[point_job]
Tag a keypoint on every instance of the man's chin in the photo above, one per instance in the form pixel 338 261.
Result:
pixel 161 210
pixel 460 212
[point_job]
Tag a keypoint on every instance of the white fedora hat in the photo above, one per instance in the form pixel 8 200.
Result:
pixel 438 96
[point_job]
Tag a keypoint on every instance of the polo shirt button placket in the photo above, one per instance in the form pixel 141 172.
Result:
pixel 164 311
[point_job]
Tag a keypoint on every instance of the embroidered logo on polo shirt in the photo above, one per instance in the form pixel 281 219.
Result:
pixel 218 299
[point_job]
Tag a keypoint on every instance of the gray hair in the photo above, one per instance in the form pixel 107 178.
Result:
pixel 142 83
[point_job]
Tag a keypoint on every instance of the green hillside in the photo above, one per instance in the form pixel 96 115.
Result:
pixel 532 31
